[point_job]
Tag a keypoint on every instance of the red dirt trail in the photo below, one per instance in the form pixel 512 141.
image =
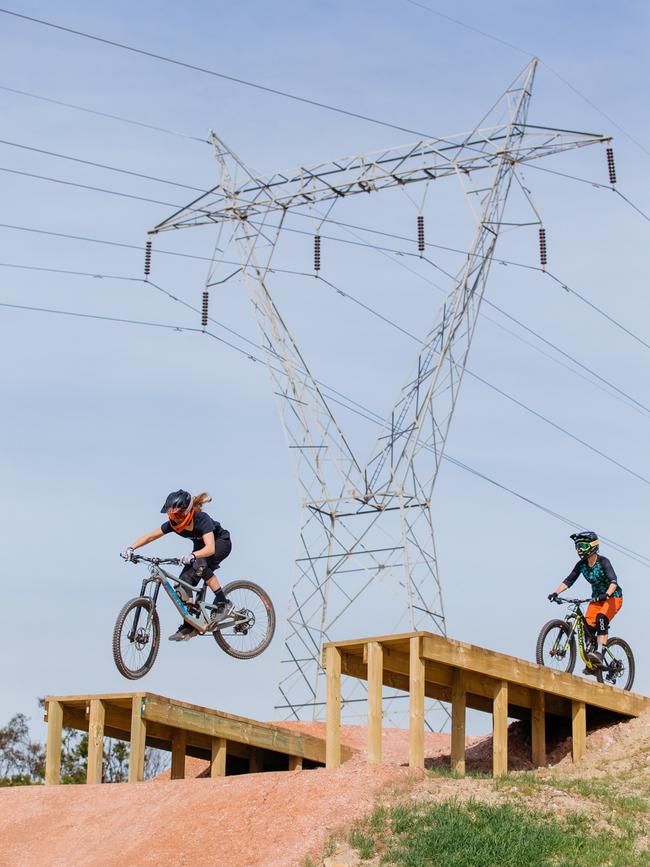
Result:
pixel 252 820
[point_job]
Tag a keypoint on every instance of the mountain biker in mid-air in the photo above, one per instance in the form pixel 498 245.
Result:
pixel 606 592
pixel 211 545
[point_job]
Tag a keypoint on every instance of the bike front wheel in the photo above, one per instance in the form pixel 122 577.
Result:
pixel 556 647
pixel 619 664
pixel 254 621
pixel 136 638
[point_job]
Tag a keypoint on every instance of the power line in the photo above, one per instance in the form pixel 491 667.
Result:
pixel 368 309
pixel 542 62
pixel 25 147
pixel 213 73
pixel 366 413
pixel 633 403
pixel 103 114
pixel 86 187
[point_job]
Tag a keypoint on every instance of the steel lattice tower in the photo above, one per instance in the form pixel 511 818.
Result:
pixel 366 525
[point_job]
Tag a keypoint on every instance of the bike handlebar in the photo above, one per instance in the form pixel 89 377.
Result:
pixel 136 558
pixel 561 601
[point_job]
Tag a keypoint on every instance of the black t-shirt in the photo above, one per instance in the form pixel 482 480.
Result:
pixel 203 524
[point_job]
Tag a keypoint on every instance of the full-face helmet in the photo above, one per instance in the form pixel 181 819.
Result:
pixel 178 507
pixel 586 543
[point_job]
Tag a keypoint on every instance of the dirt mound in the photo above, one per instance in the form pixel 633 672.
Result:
pixel 261 820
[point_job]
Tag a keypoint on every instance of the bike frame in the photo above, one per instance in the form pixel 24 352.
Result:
pixel 202 621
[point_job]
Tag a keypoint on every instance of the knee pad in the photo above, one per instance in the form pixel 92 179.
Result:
pixel 602 624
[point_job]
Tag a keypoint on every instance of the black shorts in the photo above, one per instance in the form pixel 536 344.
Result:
pixel 204 568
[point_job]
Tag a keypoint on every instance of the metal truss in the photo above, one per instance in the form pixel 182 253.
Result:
pixel 366 560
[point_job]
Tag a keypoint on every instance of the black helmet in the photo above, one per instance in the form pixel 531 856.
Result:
pixel 586 543
pixel 177 501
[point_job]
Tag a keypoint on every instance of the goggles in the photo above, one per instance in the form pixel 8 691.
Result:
pixel 180 519
pixel 585 547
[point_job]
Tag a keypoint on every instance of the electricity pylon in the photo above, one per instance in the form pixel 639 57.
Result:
pixel 367 528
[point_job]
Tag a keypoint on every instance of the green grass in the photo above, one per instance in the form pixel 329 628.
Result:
pixel 473 834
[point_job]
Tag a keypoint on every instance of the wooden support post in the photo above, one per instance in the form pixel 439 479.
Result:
pixel 295 763
pixel 500 729
pixel 333 713
pixel 579 729
pixel 218 761
pixel 416 703
pixel 179 742
pixel 458 713
pixel 53 753
pixel 375 677
pixel 538 729
pixel 95 740
pixel 255 761
pixel 138 739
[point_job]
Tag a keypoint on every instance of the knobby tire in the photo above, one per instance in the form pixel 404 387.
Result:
pixel 145 604
pixel 222 638
pixel 559 626
pixel 624 682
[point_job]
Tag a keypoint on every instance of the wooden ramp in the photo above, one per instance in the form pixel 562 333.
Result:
pixel 424 664
pixel 231 744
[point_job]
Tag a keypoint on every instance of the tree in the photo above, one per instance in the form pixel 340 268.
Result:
pixel 22 761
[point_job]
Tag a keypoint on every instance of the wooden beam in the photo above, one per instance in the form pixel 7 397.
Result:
pixel 138 740
pixel 218 760
pixel 333 707
pixel 235 730
pixel 295 763
pixel 458 713
pixel 179 745
pixel 416 704
pixel 538 729
pixel 95 740
pixel 578 729
pixel 53 751
pixel 500 729
pixel 499 666
pixel 375 672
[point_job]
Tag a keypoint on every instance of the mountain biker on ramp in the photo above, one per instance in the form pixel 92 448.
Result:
pixel 606 592
pixel 211 545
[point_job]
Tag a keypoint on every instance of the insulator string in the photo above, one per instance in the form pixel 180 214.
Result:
pixel 147 259
pixel 610 166
pixel 542 247
pixel 316 253
pixel 420 233
pixel 204 309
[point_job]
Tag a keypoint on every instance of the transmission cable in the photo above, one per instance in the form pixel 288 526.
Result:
pixel 371 311
pixel 103 114
pixel 531 54
pixel 213 73
pixel 366 413
pixel 634 404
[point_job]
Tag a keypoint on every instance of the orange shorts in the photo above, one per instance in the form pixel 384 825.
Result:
pixel 610 607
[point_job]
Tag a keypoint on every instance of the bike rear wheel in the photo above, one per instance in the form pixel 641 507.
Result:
pixel 136 638
pixel 254 624
pixel 556 647
pixel 619 662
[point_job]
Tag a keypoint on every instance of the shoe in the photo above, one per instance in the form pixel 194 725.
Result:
pixel 596 659
pixel 183 632
pixel 589 672
pixel 220 612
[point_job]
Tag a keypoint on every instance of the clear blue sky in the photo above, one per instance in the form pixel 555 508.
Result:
pixel 101 420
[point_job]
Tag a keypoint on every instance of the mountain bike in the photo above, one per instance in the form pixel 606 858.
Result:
pixel 556 648
pixel 245 632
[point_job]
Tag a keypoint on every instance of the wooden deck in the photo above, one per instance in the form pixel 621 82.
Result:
pixel 424 664
pixel 231 744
